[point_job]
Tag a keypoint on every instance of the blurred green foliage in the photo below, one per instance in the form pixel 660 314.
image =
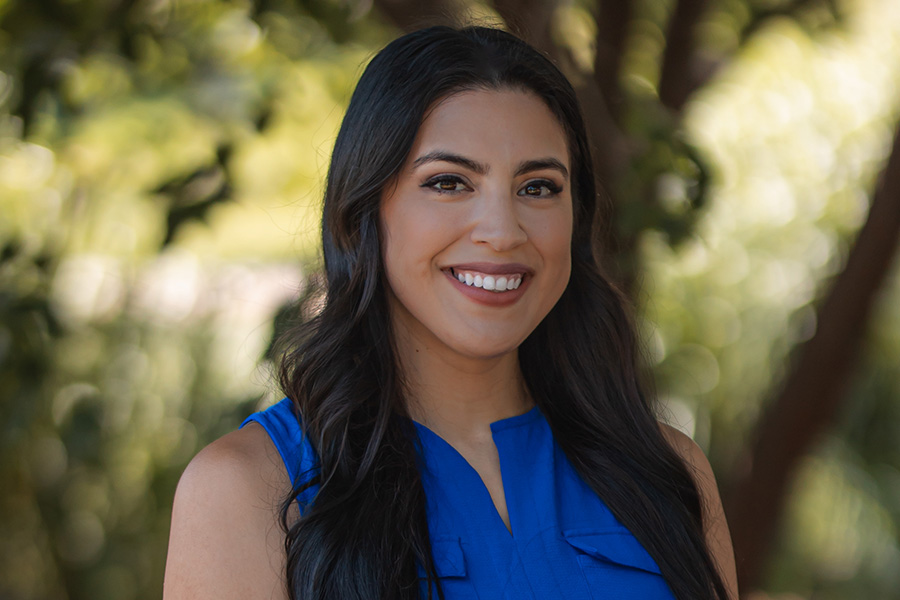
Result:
pixel 161 164
pixel 160 169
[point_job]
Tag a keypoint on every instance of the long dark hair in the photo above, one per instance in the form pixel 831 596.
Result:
pixel 365 535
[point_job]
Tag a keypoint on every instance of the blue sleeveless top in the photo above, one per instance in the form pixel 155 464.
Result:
pixel 565 543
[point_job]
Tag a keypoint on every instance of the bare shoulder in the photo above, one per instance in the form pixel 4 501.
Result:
pixel 718 538
pixel 225 540
pixel 686 447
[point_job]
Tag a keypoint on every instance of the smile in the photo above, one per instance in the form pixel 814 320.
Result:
pixel 493 283
pixel 490 284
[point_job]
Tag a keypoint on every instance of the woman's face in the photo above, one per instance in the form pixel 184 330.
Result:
pixel 477 228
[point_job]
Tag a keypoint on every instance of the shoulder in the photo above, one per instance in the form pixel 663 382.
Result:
pixel 226 540
pixel 243 464
pixel 687 448
pixel 695 459
pixel 718 538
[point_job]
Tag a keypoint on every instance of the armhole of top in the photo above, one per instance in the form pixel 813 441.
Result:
pixel 283 427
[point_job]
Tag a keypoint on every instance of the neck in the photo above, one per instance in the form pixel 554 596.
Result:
pixel 456 396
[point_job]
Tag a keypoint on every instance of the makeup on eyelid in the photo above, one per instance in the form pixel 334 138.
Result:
pixel 552 188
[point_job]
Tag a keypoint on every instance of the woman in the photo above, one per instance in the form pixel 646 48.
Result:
pixel 471 421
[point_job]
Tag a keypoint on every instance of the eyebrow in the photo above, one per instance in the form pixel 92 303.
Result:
pixel 482 169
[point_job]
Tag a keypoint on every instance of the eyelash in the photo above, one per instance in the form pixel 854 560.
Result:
pixel 552 188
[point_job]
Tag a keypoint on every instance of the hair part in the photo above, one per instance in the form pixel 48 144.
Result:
pixel 365 535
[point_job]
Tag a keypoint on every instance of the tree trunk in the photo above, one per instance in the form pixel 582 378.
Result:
pixel 811 396
pixel 410 15
pixel 678 77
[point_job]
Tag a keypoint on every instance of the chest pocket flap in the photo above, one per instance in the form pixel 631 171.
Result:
pixel 449 560
pixel 619 547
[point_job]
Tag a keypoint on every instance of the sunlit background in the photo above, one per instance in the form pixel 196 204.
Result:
pixel 161 168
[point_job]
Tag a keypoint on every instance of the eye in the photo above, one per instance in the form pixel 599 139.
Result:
pixel 540 188
pixel 446 184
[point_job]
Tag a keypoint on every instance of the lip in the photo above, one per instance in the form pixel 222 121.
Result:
pixel 493 268
pixel 485 297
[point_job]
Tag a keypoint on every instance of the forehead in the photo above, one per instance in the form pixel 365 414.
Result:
pixel 492 126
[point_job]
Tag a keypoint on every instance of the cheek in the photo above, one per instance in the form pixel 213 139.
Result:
pixel 399 236
pixel 556 248
pixel 414 233
pixel 561 240
pixel 552 233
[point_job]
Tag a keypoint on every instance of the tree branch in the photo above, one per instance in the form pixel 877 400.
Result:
pixel 679 76
pixel 810 398
pixel 612 35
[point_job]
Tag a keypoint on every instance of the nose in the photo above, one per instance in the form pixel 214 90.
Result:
pixel 497 223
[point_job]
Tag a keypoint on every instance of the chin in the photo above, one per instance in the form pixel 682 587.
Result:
pixel 486 347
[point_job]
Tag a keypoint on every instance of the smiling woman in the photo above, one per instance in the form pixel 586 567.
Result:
pixel 463 418
pixel 506 217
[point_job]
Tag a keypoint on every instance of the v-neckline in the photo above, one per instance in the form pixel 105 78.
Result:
pixel 499 425
pixel 496 427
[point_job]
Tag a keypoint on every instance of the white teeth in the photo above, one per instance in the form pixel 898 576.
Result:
pixel 492 283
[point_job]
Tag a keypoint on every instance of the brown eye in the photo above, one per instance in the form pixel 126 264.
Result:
pixel 540 189
pixel 445 184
